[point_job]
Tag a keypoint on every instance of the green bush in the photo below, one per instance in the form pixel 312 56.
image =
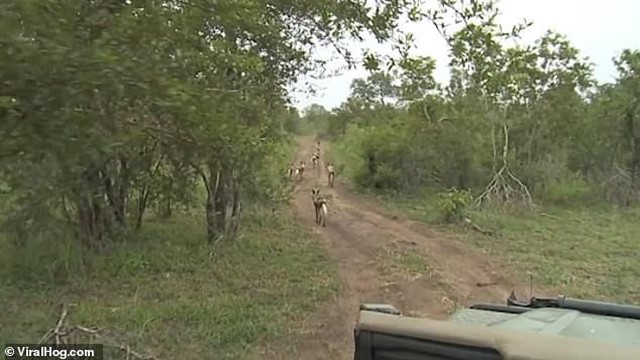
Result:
pixel 453 204
pixel 346 154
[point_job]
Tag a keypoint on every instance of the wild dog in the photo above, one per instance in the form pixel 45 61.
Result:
pixel 300 170
pixel 314 158
pixel 331 174
pixel 320 206
pixel 291 170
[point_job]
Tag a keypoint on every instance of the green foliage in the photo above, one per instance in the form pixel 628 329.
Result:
pixel 315 120
pixel 165 290
pixel 569 139
pixel 114 108
pixel 113 113
pixel 116 114
pixel 271 180
pixel 572 190
pixel 345 154
pixel 585 252
pixel 453 204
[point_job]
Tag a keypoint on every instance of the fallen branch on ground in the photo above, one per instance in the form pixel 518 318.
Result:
pixel 62 333
pixel 478 228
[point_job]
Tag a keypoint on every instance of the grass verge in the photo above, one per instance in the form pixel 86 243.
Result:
pixel 589 252
pixel 166 294
pixel 407 264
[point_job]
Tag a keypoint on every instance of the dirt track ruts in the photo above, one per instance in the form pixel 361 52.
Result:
pixel 356 230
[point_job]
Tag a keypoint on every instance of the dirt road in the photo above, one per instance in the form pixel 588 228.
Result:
pixel 356 233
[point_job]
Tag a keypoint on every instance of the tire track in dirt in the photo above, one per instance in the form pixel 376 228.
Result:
pixel 357 231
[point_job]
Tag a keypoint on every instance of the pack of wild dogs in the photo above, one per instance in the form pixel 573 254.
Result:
pixel 320 202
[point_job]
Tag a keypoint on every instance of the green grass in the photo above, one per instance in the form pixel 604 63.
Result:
pixel 574 247
pixel 408 264
pixel 587 253
pixel 165 292
pixel 592 252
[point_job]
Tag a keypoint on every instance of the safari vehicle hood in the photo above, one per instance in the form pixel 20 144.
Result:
pixel 557 321
pixel 584 319
pixel 540 329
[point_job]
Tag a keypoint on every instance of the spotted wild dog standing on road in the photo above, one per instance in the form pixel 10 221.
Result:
pixel 291 170
pixel 320 205
pixel 300 170
pixel 331 174
pixel 314 158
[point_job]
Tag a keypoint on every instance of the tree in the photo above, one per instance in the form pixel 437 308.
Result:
pixel 113 105
pixel 377 89
pixel 609 140
pixel 528 117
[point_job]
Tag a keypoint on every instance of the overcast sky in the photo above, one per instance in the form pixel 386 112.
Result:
pixel 599 29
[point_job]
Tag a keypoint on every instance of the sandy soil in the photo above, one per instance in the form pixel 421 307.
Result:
pixel 357 230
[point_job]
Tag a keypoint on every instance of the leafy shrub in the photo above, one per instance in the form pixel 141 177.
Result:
pixel 452 204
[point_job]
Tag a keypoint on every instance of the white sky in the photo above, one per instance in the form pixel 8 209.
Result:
pixel 599 29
